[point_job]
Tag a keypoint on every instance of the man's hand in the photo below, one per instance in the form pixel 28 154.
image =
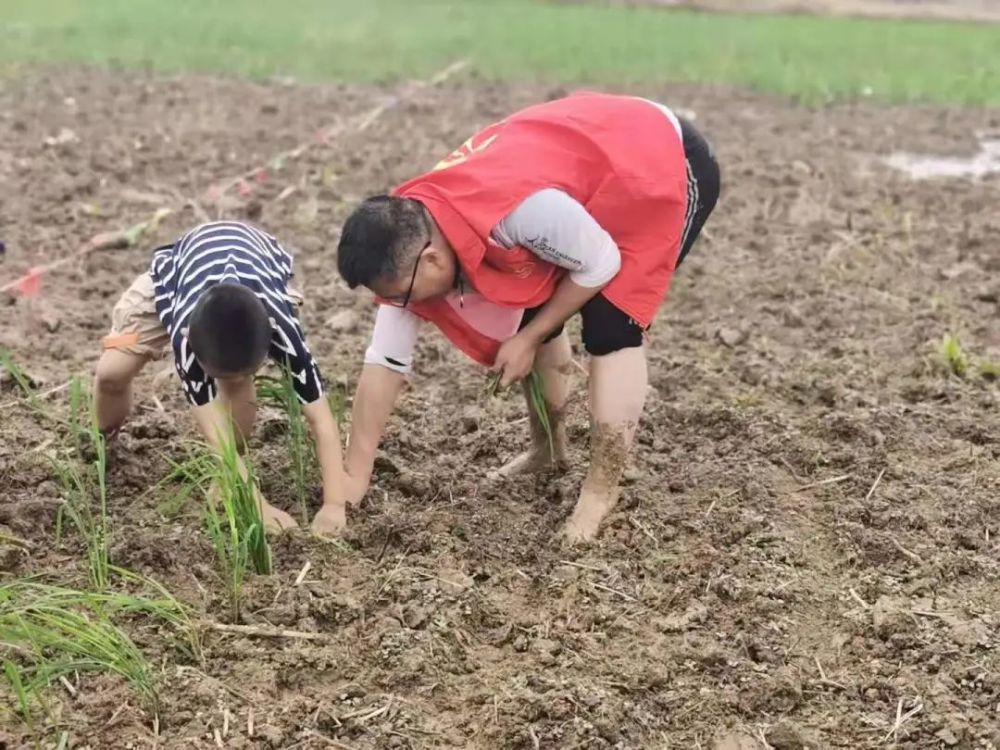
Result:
pixel 516 357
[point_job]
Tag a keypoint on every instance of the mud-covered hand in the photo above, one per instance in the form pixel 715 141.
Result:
pixel 516 358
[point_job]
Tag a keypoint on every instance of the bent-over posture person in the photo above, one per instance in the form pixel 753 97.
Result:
pixel 583 205
pixel 219 298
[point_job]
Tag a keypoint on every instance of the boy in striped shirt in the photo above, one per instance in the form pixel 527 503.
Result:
pixel 219 298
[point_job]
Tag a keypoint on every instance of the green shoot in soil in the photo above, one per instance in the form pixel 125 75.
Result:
pixel 536 392
pixel 989 370
pixel 194 474
pixel 337 401
pixel 85 492
pixel 536 397
pixel 52 632
pixel 954 357
pixel 234 523
pixel 280 392
pixel 23 383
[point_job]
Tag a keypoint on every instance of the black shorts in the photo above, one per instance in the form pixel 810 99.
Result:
pixel 607 329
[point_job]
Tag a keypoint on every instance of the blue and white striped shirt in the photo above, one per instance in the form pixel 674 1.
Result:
pixel 230 251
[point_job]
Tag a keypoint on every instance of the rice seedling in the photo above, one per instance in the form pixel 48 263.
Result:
pixel 954 357
pixel 234 523
pixel 193 474
pixel 85 491
pixel 15 680
pixel 280 392
pixel 161 605
pixel 989 370
pixel 336 399
pixel 53 632
pixel 535 386
pixel 536 392
pixel 23 383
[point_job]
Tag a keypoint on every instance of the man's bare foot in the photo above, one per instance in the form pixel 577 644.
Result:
pixel 275 519
pixel 590 510
pixel 330 520
pixel 531 462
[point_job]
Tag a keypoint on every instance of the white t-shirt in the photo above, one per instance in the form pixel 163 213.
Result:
pixel 549 223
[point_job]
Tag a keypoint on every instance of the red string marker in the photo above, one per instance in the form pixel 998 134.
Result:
pixel 30 284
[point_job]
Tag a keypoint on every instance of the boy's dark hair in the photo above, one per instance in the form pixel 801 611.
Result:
pixel 229 330
pixel 378 238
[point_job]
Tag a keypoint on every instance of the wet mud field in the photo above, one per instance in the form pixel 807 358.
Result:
pixel 805 553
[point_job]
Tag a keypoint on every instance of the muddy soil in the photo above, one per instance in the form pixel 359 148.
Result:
pixel 805 553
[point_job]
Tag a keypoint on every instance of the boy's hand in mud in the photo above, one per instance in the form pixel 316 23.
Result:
pixel 275 519
pixel 515 358
pixel 330 520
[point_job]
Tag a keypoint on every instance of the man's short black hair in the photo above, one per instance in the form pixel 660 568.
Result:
pixel 229 330
pixel 378 238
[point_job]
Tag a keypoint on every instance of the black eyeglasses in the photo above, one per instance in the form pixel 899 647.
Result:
pixel 405 300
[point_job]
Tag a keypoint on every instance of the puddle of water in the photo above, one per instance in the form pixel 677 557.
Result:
pixel 926 167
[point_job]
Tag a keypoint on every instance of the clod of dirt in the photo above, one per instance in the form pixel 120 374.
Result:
pixel 49 318
pixel 547 651
pixel 471 417
pixel 7 381
pixel 735 741
pixel 412 485
pixel 10 556
pixel 154 425
pixel 455 581
pixel 781 694
pixel 64 136
pixel 947 737
pixel 891 615
pixel 695 614
pixel 731 337
pixel 416 617
pixel 786 736
pixel 345 321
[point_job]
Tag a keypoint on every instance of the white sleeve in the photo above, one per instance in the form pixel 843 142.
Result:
pixel 393 339
pixel 557 228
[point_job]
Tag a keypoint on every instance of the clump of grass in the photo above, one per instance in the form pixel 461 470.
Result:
pixel 235 525
pixel 23 384
pixel 336 399
pixel 52 632
pixel 280 392
pixel 193 473
pixel 84 484
pixel 536 396
pixel 954 356
pixel 989 370
pixel 536 392
pixel 159 604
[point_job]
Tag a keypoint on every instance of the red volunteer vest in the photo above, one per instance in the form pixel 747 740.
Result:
pixel 619 156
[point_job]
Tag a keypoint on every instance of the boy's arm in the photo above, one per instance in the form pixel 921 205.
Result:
pixel 216 426
pixel 331 518
pixel 374 399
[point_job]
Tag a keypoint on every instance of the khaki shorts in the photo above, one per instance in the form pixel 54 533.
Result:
pixel 135 325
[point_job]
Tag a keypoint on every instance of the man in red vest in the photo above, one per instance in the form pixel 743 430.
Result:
pixel 584 204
